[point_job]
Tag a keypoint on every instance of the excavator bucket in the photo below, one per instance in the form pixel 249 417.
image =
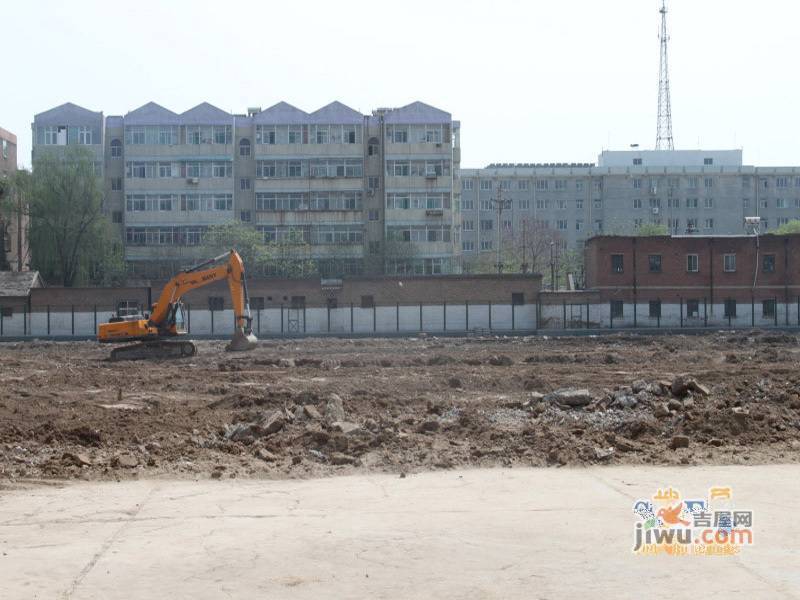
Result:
pixel 241 341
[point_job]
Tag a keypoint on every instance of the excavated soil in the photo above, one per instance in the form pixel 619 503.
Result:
pixel 320 406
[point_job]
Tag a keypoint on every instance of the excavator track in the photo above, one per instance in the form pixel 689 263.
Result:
pixel 156 350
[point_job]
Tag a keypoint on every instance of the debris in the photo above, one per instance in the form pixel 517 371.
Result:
pixel 266 455
pixel 334 408
pixel 428 426
pixel 679 441
pixel 500 360
pixel 125 461
pixel 454 382
pixel 312 412
pixel 570 397
pixel 79 459
pixel 338 458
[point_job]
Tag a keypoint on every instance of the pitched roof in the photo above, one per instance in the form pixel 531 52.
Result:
pixel 206 114
pixel 67 114
pixel 18 284
pixel 417 113
pixel 336 113
pixel 281 113
pixel 152 114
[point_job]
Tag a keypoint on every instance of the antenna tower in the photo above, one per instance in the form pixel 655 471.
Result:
pixel 664 126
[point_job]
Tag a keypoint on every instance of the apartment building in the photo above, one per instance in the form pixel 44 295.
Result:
pixel 14 220
pixel 693 192
pixel 354 194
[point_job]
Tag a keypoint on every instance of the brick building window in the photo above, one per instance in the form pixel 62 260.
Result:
pixel 730 308
pixel 768 308
pixel 729 263
pixel 692 263
pixel 692 308
pixel 655 309
pixel 654 262
pixel 616 309
pixel 616 263
pixel 768 263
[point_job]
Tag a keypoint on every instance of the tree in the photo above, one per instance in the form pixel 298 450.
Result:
pixel 289 257
pixel 71 241
pixel 651 229
pixel 792 226
pixel 524 250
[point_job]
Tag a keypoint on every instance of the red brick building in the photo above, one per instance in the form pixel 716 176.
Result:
pixel 755 278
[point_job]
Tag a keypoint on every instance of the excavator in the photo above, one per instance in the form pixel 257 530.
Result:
pixel 158 331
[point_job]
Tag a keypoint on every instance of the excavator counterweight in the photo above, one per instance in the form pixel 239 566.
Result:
pixel 157 332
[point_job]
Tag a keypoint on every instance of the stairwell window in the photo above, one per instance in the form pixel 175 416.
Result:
pixel 654 262
pixel 768 263
pixel 692 263
pixel 616 263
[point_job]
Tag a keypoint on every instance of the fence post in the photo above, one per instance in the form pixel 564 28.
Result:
pixel 680 309
pixel 420 316
pixel 538 311
pixel 729 319
pixel 658 316
pixel 24 320
pixel 611 315
pixel 444 314
pixel 798 311
pixel 1 316
pixel 374 318
pixel 564 314
pixel 513 316
pixel 397 317
pixel 258 320
pixel 752 311
pixel 466 309
pixel 351 317
pixel 329 318
pixel 705 312
pixel 281 318
pixel 587 315
pixel 95 319
pixel 634 312
pixel 490 315
pixel 48 319
pixel 304 317
pixel 73 320
pixel 211 308
pixel 189 318
pixel 775 312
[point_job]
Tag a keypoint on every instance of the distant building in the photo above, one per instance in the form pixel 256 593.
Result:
pixel 366 194
pixel 695 192
pixel 14 220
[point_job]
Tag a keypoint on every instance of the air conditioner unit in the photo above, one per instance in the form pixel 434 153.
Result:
pixel 194 180
pixel 655 210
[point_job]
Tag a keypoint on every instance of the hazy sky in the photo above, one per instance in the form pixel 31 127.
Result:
pixel 529 80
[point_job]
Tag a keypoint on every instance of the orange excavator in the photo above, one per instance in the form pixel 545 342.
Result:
pixel 159 331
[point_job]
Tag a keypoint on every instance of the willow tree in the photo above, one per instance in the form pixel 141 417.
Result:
pixel 71 241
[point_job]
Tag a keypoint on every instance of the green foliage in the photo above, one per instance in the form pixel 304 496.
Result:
pixel 288 258
pixel 792 226
pixel 651 229
pixel 71 241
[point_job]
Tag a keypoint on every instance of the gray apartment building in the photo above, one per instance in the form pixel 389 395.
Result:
pixel 687 191
pixel 364 194
pixel 14 249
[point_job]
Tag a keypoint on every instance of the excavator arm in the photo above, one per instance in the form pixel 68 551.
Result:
pixel 161 324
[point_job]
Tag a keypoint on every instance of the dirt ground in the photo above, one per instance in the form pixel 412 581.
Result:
pixel 313 407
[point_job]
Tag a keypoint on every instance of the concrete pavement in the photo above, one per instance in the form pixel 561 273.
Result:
pixel 514 533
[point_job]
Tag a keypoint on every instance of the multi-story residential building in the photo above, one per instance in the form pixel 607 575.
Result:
pixel 364 194
pixel 13 220
pixel 687 192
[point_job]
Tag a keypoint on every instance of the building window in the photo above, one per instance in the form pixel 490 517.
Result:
pixel 517 298
pixel 468 246
pixel 708 203
pixel 507 224
pixel 524 204
pixel 116 216
pixel 616 309
pixel 216 303
pixel 691 203
pixel 730 308
pixel 579 204
pixel 116 149
pixel 116 184
pixel 367 301
pixel 768 308
pixel 468 225
pixel 780 203
pixel 579 186
pixel 782 182
pixel 654 262
pixel 244 147
pixel 616 263
pixel 637 162
pixel 708 182
pixel 84 136
pixel 598 203
pixel 655 309
pixel 709 223
pixel 708 161
pixel 486 185
pixel 373 215
pixel 562 225
pixel 691 225
pixel 745 202
pixel 487 224
pixel 374 247
pixel 244 183
pixel 373 183
pixel 486 244
pixel 637 183
pixel 692 308
pixel 637 203
pixel 579 225
pixel 245 216
pixel 692 263
pixel 768 263
pixel 729 263
pixel 522 184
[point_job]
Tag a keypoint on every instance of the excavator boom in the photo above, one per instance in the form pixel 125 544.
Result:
pixel 157 332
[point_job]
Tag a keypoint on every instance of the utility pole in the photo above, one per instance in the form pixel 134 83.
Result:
pixel 664 124
pixel 499 206
pixel 552 267
pixel 524 244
